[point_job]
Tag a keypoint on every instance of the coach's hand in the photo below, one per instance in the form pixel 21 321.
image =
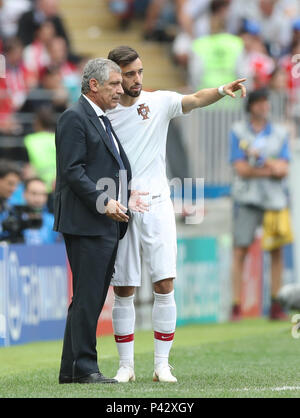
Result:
pixel 116 211
pixel 136 204
pixel 236 85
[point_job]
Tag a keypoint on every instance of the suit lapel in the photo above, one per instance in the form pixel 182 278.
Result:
pixel 97 124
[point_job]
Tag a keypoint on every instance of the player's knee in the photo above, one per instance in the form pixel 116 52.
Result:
pixel 124 291
pixel 164 286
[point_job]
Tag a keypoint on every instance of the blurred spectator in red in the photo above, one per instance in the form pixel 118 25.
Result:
pixel 291 65
pixel 10 12
pixel 254 63
pixel 8 123
pixel 36 55
pixel 18 78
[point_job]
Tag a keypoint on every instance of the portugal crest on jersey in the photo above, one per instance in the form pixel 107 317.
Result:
pixel 143 110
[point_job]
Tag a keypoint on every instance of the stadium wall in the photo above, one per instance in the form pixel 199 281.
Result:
pixel 35 288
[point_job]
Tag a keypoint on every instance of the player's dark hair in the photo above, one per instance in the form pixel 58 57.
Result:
pixel 9 167
pixel 123 55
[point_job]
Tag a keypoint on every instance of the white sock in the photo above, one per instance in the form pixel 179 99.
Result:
pixel 164 324
pixel 123 319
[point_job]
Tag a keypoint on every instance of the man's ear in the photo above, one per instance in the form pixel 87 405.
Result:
pixel 93 83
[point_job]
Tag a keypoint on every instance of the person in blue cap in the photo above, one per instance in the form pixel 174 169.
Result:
pixel 254 60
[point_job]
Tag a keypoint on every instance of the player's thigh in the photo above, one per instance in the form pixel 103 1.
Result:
pixel 128 260
pixel 159 244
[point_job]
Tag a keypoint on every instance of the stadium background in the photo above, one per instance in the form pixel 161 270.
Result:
pixel 35 281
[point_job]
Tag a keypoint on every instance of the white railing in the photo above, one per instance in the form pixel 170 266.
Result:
pixel 206 139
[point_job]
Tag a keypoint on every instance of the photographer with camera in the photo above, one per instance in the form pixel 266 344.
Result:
pixel 10 176
pixel 41 229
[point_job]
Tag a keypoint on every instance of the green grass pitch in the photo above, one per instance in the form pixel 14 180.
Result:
pixel 252 358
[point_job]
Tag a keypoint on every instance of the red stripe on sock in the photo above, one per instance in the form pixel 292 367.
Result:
pixel 124 338
pixel 163 337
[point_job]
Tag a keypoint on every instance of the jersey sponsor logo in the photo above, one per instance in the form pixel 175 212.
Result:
pixel 143 111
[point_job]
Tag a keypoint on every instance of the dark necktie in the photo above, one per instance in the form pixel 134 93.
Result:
pixel 112 142
pixel 123 172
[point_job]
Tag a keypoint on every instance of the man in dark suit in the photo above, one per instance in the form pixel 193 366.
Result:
pixel 88 211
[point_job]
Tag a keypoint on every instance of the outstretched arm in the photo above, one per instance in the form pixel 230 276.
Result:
pixel 206 97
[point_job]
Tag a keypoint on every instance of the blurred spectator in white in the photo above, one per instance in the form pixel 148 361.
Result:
pixel 36 196
pixel 58 54
pixel 36 55
pixel 279 95
pixel 254 63
pixel 213 60
pixel 40 146
pixel 274 18
pixel 161 16
pixel 10 12
pixel 193 17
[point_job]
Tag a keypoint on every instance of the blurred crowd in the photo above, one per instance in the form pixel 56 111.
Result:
pixel 42 78
pixel 215 41
pixel 212 41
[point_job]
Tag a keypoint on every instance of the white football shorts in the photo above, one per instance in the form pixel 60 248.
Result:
pixel 149 247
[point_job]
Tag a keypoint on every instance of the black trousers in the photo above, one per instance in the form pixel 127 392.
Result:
pixel 92 262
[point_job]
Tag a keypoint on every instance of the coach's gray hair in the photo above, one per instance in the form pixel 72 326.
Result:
pixel 98 68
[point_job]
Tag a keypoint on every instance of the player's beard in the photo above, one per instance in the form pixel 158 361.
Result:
pixel 132 93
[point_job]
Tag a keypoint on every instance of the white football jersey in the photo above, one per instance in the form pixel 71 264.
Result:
pixel 142 130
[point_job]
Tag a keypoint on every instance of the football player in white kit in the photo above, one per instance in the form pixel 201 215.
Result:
pixel 141 122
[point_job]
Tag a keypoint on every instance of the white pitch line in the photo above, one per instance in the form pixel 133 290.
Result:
pixel 263 389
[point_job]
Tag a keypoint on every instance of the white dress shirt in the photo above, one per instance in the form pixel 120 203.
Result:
pixel 99 112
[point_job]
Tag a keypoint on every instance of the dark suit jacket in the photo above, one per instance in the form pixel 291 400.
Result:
pixel 84 156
